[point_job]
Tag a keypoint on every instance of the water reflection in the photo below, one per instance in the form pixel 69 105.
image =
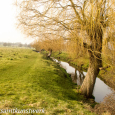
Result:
pixel 78 77
pixel 100 89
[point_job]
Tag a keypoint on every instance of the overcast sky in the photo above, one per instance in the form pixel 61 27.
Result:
pixel 8 30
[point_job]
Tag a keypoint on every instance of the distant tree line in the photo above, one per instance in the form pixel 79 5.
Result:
pixel 18 44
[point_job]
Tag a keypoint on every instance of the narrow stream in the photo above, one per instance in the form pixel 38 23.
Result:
pixel 100 89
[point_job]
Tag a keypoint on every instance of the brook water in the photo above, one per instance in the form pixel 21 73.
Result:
pixel 100 89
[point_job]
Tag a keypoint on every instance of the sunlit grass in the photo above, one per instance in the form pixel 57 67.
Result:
pixel 31 82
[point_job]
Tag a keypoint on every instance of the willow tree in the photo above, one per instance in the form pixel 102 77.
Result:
pixel 49 44
pixel 89 19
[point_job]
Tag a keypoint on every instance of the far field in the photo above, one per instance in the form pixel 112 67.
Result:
pixel 29 81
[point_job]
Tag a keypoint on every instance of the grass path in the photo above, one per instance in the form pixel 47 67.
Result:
pixel 27 81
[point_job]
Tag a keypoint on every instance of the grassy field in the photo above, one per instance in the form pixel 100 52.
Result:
pixel 28 81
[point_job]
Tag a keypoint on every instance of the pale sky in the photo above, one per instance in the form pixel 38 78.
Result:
pixel 8 30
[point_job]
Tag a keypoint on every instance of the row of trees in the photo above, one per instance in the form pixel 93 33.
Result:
pixel 18 44
pixel 53 44
pixel 84 25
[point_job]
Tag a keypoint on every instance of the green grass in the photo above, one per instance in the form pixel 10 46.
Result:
pixel 63 55
pixel 28 81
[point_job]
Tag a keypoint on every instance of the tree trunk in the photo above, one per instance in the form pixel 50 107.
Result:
pixel 93 70
pixel 50 53
pixel 95 60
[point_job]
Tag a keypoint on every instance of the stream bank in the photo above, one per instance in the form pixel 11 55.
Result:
pixel 101 90
pixel 100 108
pixel 83 63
